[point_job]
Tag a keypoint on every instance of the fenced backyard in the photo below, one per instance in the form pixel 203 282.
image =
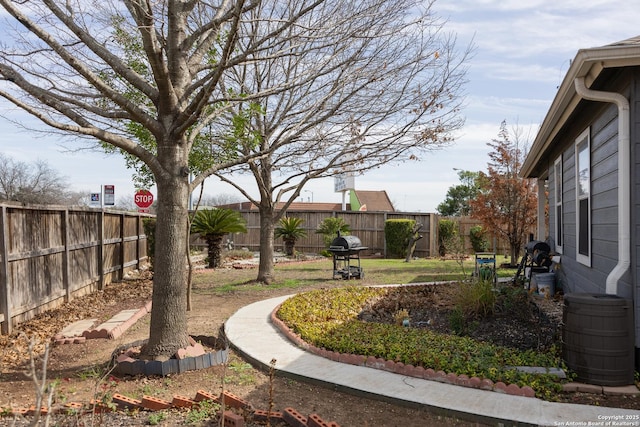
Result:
pixel 49 255
pixel 52 254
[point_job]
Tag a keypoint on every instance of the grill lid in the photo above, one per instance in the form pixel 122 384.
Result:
pixel 536 245
pixel 345 243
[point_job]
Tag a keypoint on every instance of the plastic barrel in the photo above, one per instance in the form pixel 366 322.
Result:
pixel 598 338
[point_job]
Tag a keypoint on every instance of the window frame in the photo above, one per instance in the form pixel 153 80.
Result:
pixel 558 189
pixel 583 199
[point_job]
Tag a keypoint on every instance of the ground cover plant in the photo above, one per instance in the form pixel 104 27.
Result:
pixel 353 320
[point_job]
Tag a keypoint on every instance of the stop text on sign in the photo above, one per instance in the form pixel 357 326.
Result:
pixel 143 199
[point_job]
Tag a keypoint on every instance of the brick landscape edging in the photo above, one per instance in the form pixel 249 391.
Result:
pixel 232 418
pixel 399 367
pixel 112 333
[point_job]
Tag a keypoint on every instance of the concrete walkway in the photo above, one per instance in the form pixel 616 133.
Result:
pixel 252 334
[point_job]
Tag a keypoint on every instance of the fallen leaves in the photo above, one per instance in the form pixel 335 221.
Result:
pixel 130 293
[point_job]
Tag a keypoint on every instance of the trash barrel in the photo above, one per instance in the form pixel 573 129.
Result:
pixel 546 284
pixel 598 338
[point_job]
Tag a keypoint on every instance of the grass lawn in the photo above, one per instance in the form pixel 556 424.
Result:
pixel 377 271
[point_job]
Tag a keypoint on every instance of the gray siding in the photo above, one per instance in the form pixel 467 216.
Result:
pixel 602 118
pixel 576 277
pixel 635 201
pixel 559 131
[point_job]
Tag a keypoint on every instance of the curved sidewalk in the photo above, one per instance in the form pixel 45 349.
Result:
pixel 252 334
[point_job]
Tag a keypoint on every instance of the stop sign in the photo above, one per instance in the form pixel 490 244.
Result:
pixel 143 199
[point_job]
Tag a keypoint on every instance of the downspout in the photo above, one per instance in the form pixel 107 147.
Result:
pixel 624 179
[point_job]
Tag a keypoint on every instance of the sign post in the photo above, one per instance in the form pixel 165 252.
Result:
pixel 143 200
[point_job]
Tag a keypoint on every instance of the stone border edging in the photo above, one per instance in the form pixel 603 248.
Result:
pixel 399 367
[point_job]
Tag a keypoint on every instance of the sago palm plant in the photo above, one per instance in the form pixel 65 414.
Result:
pixel 330 227
pixel 213 225
pixel 290 229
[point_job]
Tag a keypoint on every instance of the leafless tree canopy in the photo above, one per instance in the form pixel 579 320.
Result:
pixel 94 68
pixel 34 183
pixel 368 83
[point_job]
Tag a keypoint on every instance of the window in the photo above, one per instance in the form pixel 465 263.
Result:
pixel 583 199
pixel 557 178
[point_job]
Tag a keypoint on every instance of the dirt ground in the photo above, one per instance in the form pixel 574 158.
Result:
pixel 79 373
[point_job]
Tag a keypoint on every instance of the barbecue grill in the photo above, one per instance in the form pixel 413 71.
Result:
pixel 539 252
pixel 346 257
pixel 536 259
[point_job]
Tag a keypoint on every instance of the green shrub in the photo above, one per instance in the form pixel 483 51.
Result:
pixel 478 237
pixel 457 321
pixel 397 233
pixel 476 299
pixel 290 229
pixel 447 231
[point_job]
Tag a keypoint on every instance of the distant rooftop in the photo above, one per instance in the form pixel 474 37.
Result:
pixel 363 200
pixel 295 206
pixel 377 201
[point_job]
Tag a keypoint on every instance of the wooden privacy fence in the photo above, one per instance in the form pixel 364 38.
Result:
pixel 367 226
pixel 498 245
pixel 49 255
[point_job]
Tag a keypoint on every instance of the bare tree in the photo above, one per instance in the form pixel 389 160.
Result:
pixel 143 77
pixel 382 85
pixel 221 199
pixel 126 203
pixel 35 183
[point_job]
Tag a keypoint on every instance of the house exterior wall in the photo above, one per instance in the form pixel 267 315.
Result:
pixel 602 119
pixel 574 276
pixel 634 137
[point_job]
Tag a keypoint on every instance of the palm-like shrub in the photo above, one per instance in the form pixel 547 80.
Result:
pixel 290 229
pixel 213 225
pixel 330 227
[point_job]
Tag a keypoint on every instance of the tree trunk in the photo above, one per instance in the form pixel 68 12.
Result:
pixel 214 250
pixel 514 254
pixel 267 227
pixel 289 247
pixel 168 329
pixel 411 247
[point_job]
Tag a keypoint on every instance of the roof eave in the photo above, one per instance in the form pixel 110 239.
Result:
pixel 587 63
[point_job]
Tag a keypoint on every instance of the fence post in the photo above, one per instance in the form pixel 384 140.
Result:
pixel 139 233
pixel 122 243
pixel 5 297
pixel 65 256
pixel 433 234
pixel 384 236
pixel 101 278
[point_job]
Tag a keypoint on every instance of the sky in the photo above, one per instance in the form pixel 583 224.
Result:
pixel 523 48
